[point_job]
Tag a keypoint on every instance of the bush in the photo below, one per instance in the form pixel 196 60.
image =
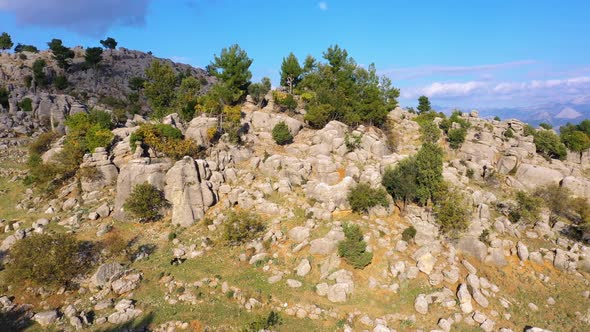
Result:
pixel 549 145
pixel 264 323
pixel 451 212
pixel 430 132
pixel 281 134
pixel 258 90
pixel 529 130
pixel 527 209
pixel 241 227
pixel 497 118
pixel 96 136
pixel 26 105
pixel 42 143
pixel 146 202
pixel 556 198
pixel 60 82
pixel 545 126
pixel 409 234
pixel 46 259
pixel 353 248
pixel 163 138
pixel 362 197
pixel 4 97
pixel 456 137
pixel 509 133
pixel 39 73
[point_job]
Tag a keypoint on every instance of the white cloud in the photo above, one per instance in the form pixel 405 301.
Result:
pixel 424 71
pixel 89 17
pixel 452 89
pixel 323 5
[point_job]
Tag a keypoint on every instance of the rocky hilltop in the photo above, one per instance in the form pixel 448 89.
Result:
pixel 180 273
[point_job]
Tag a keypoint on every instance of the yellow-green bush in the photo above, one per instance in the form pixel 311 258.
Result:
pixel 241 227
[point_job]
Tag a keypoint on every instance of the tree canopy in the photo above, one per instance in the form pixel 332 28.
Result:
pixel 61 53
pixel 342 90
pixel 109 43
pixel 232 69
pixel 424 104
pixel 5 41
pixel 159 87
pixel 290 72
pixel 93 56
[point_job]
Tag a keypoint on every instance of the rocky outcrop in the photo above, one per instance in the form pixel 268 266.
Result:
pixel 99 171
pixel 533 176
pixel 189 191
pixel 135 172
pixel 265 122
pixel 198 129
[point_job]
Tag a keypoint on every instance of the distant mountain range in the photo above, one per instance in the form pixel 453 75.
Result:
pixel 556 114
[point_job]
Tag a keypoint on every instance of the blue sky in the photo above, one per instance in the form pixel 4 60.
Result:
pixel 472 53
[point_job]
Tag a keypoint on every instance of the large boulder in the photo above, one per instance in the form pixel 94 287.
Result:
pixel 473 247
pixel 100 171
pixel 189 191
pixel 265 122
pixel 106 273
pixel 138 171
pixel 337 194
pixel 578 187
pixel 198 128
pixel 533 176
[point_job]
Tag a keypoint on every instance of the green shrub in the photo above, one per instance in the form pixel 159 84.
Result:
pixel 362 197
pixel 4 95
pixel 470 173
pixel 61 82
pixel 527 209
pixel 258 90
pixel 430 132
pixel 549 145
pixel 409 234
pixel 264 323
pixel 353 248
pixel 39 73
pixel 241 227
pixel 509 133
pixel 146 202
pixel 545 126
pixel 42 143
pixel 456 137
pixel 529 130
pixel 281 134
pixel 26 104
pixel 352 141
pixel 96 136
pixel 451 212
pixel 47 259
pixel 497 118
pixel 163 138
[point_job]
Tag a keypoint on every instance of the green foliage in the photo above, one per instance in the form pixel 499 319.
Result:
pixel 576 137
pixel 451 212
pixel 61 82
pixel 290 72
pixel 362 197
pixel 456 117
pixel 145 202
pixel 42 143
pixel 258 90
pixel 409 234
pixel 186 97
pixel 109 43
pixel 232 69
pixel 28 80
pixel 549 145
pixel 456 137
pixel 556 198
pixel 400 181
pixel 346 92
pixel 93 56
pixel 159 88
pixel 423 105
pixel 38 72
pixel 264 323
pixel 241 227
pixel 61 53
pixel 527 208
pixel 497 118
pixel 529 130
pixel 429 160
pixel 47 259
pixel 136 83
pixel 4 95
pixel 163 138
pixel 509 133
pixel 97 136
pixel 545 126
pixel 26 104
pixel 430 132
pixel 25 48
pixel 5 41
pixel 285 100
pixel 352 141
pixel 281 134
pixel 353 248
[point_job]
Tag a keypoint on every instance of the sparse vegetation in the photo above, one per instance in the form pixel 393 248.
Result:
pixel 451 211
pixel 527 208
pixel 241 227
pixel 549 145
pixel 409 234
pixel 163 139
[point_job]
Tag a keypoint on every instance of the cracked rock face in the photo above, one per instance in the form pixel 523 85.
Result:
pixel 189 191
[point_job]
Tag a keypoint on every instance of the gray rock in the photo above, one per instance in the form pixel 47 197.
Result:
pixel 337 292
pixel 464 299
pixel 522 251
pixel 322 246
pixel 126 283
pixel 46 318
pixel 426 263
pixel 294 283
pixel 473 247
pixel 303 268
pixel 298 234
pixel 421 304
pixel 106 273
